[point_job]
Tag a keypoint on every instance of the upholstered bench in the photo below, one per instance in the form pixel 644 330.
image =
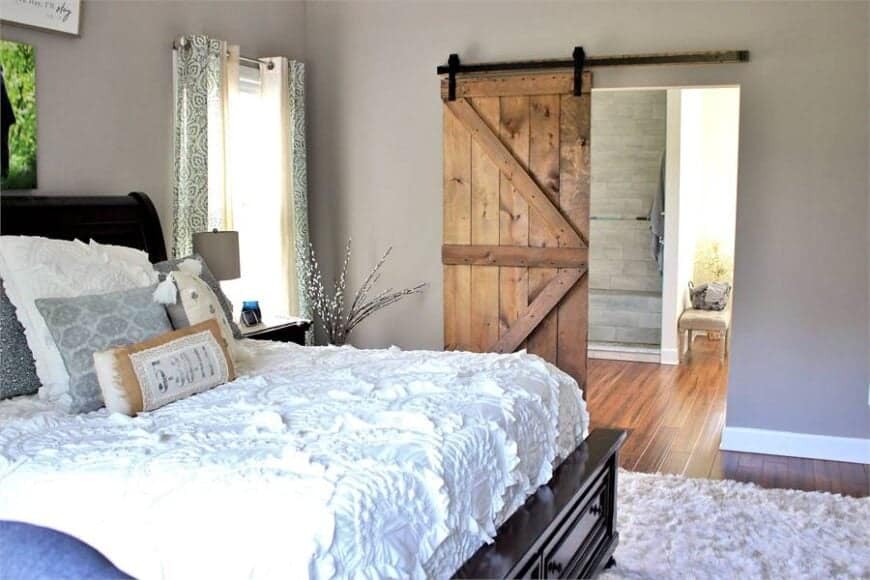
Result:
pixel 693 319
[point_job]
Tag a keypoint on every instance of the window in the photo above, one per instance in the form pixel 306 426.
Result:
pixel 258 193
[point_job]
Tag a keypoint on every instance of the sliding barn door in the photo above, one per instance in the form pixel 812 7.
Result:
pixel 516 216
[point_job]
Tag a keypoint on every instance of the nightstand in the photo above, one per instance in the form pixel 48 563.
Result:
pixel 278 328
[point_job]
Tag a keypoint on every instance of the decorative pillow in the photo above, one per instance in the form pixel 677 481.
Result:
pixel 17 371
pixel 201 270
pixel 84 325
pixel 121 254
pixel 158 371
pixel 716 296
pixel 712 296
pixel 189 300
pixel 34 267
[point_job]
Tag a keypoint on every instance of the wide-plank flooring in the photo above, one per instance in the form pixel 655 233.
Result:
pixel 676 414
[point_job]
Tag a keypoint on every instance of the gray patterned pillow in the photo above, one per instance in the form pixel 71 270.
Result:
pixel 17 369
pixel 168 266
pixel 84 325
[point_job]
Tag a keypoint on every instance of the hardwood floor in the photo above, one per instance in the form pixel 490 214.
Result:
pixel 676 414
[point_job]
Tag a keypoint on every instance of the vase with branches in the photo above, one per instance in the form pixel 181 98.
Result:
pixel 329 308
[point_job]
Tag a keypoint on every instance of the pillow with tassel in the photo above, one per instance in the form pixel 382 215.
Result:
pixel 194 264
pixel 189 301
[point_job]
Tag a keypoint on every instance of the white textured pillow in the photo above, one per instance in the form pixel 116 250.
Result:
pixel 119 254
pixel 35 267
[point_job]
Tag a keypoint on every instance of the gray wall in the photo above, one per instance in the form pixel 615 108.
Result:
pixel 104 99
pixel 800 350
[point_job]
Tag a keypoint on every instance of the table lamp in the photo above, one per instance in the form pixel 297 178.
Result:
pixel 220 251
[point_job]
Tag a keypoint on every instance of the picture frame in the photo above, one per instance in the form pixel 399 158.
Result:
pixel 58 15
pixel 18 129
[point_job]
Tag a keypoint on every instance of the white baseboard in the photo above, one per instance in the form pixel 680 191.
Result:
pixel 746 439
pixel 623 352
pixel 670 356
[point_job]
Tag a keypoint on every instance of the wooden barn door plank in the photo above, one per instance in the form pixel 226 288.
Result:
pixel 544 167
pixel 539 83
pixel 532 257
pixel 545 302
pixel 514 211
pixel 484 231
pixel 574 191
pixel 514 170
pixel 457 230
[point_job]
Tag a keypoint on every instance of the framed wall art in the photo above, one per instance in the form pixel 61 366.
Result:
pixel 59 15
pixel 18 117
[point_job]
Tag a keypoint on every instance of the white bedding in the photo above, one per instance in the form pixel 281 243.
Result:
pixel 316 462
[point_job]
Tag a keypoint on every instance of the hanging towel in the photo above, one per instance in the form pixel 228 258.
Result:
pixel 657 219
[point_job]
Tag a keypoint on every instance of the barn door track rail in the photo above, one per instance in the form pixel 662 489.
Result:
pixel 579 61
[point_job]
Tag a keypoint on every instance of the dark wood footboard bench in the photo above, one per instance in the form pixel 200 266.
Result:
pixel 567 529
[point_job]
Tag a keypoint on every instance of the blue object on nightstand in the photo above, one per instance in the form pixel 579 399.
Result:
pixel 251 315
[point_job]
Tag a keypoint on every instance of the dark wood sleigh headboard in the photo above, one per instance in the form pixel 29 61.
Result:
pixel 125 220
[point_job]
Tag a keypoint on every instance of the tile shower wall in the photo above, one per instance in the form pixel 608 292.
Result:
pixel 628 138
pixel 621 256
pixel 624 317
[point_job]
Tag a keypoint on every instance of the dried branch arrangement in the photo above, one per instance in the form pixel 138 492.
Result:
pixel 329 309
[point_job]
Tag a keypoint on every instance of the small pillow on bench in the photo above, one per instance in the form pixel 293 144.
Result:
pixel 712 296
pixel 156 372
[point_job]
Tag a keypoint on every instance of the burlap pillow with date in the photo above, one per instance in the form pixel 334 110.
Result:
pixel 147 375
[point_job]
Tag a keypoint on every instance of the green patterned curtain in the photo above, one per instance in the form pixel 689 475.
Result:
pixel 299 176
pixel 198 71
pixel 206 101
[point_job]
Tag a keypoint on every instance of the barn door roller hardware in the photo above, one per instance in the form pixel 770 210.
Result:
pixel 579 61
pixel 452 69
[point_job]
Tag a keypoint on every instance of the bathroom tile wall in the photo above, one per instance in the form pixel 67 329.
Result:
pixel 628 140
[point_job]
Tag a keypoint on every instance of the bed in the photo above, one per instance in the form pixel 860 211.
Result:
pixel 315 461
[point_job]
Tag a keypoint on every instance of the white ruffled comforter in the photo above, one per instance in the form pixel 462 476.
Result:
pixel 316 462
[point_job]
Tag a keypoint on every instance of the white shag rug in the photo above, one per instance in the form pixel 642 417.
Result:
pixel 675 527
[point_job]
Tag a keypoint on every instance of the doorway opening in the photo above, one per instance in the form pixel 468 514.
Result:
pixel 663 201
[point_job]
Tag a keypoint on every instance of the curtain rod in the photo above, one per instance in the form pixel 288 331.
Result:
pixel 255 62
pixel 248 60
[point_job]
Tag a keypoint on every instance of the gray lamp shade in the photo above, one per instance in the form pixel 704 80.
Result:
pixel 220 250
